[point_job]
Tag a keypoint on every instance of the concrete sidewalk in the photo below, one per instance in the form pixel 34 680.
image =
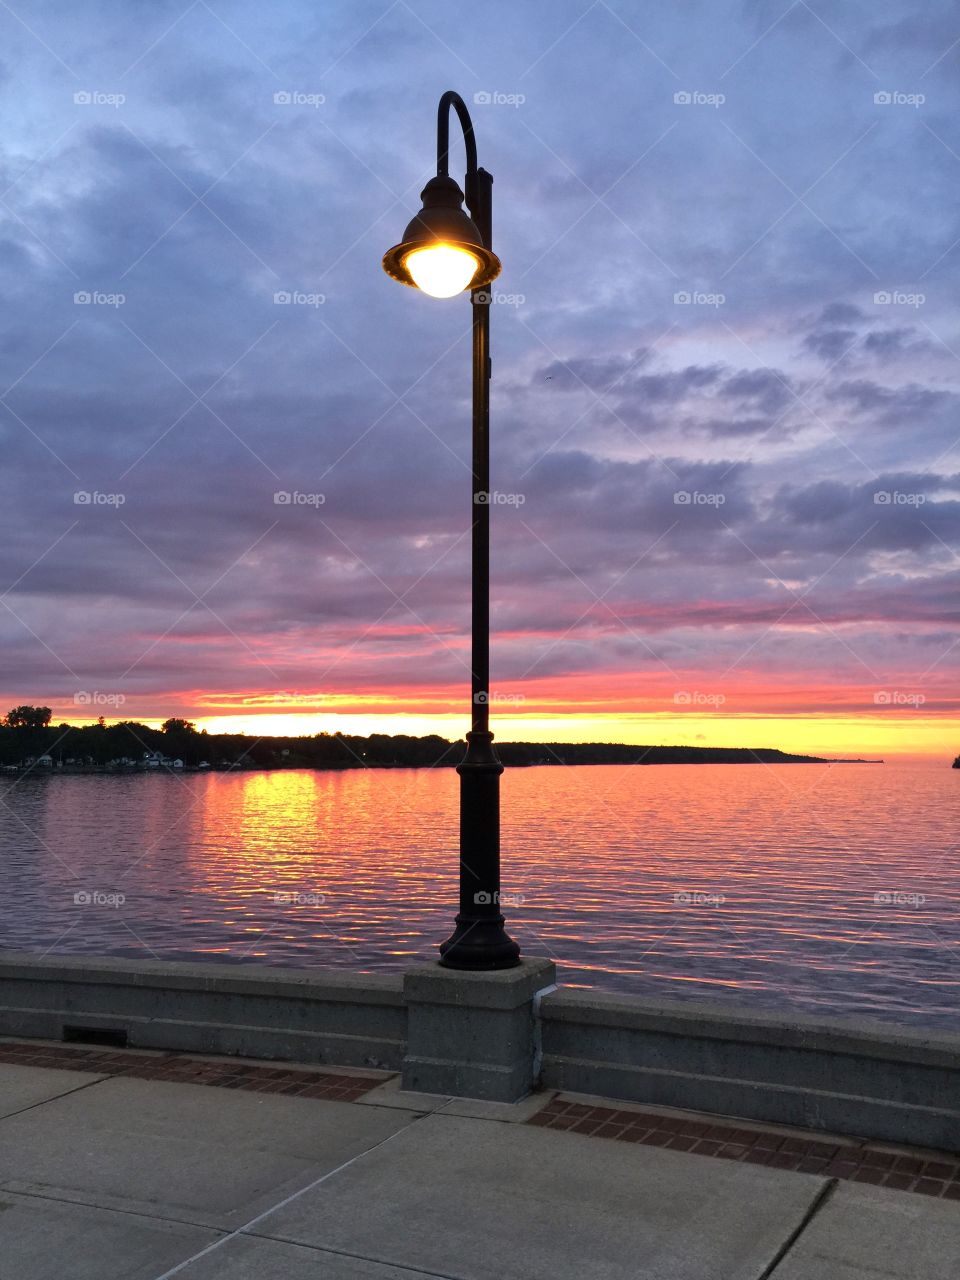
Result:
pixel 117 1178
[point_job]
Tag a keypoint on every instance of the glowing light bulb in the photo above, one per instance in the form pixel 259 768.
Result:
pixel 441 270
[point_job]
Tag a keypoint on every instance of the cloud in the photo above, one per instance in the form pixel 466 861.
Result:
pixel 888 344
pixel 830 344
pixel 891 406
pixel 198 397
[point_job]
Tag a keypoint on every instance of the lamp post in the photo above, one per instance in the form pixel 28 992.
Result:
pixel 443 252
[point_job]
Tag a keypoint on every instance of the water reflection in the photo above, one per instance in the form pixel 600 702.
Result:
pixel 818 889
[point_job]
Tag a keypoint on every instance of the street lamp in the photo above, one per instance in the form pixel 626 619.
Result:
pixel 443 252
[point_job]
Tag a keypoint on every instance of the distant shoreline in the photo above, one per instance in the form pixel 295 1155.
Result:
pixel 374 754
pixel 31 743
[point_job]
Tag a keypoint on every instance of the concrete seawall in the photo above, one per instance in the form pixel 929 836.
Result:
pixel 839 1076
pixel 491 1035
pixel 310 1015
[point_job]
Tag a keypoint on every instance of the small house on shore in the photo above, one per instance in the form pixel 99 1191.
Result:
pixel 157 760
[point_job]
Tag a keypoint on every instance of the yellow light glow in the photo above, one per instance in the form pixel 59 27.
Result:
pixel 832 736
pixel 441 270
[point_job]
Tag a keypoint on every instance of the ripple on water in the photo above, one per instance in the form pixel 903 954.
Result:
pixel 828 890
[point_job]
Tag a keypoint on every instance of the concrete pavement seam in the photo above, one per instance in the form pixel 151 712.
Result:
pixel 77 1088
pixel 282 1204
pixel 16 1190
pixel 819 1200
pixel 362 1257
pixel 223 1232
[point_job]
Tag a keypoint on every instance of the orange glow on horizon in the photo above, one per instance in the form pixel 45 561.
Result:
pixel 649 710
pixel 809 735
pixel 802 735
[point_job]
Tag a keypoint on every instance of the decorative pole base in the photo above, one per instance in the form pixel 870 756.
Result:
pixel 478 945
pixel 479 940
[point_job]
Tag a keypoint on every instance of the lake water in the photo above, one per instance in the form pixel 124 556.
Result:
pixel 821 889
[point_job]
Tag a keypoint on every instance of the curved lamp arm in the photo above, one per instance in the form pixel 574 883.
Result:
pixel 477 187
pixel 451 99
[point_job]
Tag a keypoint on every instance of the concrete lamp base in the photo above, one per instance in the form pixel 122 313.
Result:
pixel 472 1035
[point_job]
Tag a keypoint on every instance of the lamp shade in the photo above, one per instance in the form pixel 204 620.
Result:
pixel 442 252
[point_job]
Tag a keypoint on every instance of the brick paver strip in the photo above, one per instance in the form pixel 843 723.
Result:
pixel 853 1161
pixel 180 1068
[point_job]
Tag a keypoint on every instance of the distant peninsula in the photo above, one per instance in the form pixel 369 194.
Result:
pixel 29 741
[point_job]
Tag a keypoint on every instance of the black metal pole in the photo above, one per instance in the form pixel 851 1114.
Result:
pixel 479 940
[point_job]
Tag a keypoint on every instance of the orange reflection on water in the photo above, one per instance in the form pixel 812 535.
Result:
pixel 830 889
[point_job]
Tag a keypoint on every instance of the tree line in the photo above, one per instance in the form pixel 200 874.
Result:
pixel 27 735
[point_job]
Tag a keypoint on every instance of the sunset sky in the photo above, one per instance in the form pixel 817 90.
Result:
pixel 725 419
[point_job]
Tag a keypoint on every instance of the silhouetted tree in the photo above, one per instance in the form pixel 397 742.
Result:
pixel 176 725
pixel 27 717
